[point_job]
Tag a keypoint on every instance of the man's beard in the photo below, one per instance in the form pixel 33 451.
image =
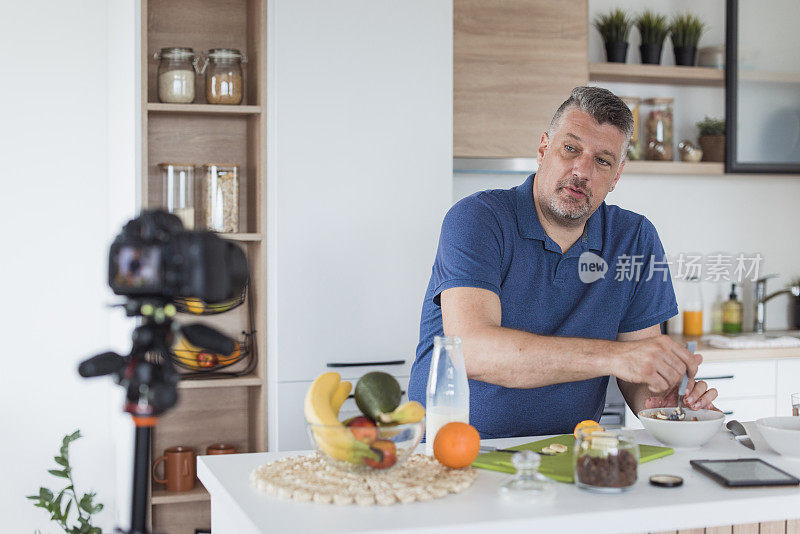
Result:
pixel 572 209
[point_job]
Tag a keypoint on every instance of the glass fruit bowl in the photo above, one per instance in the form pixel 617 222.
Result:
pixel 364 447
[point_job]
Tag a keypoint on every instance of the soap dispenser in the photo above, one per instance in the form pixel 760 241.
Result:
pixel 732 314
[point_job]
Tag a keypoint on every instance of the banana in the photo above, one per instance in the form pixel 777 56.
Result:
pixel 334 439
pixel 340 395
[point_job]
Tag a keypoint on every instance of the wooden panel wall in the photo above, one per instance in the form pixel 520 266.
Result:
pixel 515 62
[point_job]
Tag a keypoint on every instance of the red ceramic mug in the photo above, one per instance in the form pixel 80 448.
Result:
pixel 179 469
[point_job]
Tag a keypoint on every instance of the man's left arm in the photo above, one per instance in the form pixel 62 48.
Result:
pixel 639 397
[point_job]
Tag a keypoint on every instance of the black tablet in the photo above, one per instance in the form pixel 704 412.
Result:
pixel 744 472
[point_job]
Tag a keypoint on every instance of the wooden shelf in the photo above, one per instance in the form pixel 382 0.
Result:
pixel 241 237
pixel 162 496
pixel 237 382
pixel 673 167
pixel 624 72
pixel 767 76
pixel 202 109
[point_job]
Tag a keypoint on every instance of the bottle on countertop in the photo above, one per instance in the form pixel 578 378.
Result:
pixel 716 311
pixel 732 314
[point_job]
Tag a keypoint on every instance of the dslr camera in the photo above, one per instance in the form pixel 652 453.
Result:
pixel 155 257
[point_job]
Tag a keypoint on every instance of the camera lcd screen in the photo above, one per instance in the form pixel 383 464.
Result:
pixel 744 472
pixel 138 267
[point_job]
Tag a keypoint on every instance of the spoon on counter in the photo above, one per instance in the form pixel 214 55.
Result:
pixel 679 412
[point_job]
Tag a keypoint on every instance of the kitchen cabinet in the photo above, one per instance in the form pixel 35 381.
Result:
pixel 359 135
pixel 763 111
pixel 230 409
pixel 788 382
pixel 514 63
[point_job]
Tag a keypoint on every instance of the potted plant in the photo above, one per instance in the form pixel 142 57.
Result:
pixel 653 29
pixel 685 31
pixel 712 139
pixel 59 503
pixel 615 28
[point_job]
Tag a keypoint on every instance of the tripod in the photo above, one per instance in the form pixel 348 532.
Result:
pixel 151 387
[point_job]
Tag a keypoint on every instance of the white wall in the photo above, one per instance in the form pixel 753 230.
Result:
pixel 54 211
pixel 697 214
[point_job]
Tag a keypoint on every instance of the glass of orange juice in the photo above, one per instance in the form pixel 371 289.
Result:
pixel 693 309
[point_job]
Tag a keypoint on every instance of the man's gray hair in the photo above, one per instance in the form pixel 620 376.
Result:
pixel 602 105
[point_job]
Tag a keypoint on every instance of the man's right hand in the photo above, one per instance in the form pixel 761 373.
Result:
pixel 659 362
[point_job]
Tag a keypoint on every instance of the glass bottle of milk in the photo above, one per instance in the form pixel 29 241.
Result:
pixel 447 397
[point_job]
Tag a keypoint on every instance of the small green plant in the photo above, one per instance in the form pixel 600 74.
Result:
pixel 686 29
pixel 652 27
pixel 711 126
pixel 614 27
pixel 54 503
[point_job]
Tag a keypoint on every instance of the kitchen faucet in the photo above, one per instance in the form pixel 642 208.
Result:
pixel 761 299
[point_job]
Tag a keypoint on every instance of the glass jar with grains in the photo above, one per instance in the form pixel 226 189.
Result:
pixel 634 146
pixel 224 79
pixel 176 68
pixel 222 197
pixel 177 191
pixel 605 461
pixel 658 129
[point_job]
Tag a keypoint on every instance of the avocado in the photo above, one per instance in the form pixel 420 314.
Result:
pixel 377 393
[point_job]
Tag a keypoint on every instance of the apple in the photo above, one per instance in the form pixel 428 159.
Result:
pixel 206 359
pixel 363 428
pixel 387 451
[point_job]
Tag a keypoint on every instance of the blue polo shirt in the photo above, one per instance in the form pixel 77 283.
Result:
pixel 493 240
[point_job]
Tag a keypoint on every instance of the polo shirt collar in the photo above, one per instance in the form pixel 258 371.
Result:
pixel 531 228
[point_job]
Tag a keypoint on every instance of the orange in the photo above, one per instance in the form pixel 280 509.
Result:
pixel 456 445
pixel 585 425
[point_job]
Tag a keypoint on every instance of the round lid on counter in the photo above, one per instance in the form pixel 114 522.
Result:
pixel 666 481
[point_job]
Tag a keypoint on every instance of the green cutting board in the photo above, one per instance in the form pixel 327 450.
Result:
pixel 558 467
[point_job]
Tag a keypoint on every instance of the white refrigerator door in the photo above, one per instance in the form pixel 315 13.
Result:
pixel 359 150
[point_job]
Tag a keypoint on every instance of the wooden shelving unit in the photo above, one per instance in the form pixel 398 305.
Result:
pixel 625 72
pixel 230 410
pixel 674 167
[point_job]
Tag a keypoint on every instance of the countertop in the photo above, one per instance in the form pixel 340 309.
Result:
pixel 238 508
pixel 712 354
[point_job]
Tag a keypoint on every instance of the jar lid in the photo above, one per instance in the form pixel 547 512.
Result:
pixel 224 165
pixel 176 52
pixel 190 165
pixel 224 53
pixel 660 100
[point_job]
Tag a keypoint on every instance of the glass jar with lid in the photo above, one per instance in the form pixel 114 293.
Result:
pixel 222 197
pixel 178 191
pixel 606 461
pixel 658 129
pixel 176 68
pixel 224 77
pixel 635 144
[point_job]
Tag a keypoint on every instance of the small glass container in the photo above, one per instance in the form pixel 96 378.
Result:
pixel 222 197
pixel 178 191
pixel 658 130
pixel 606 461
pixel 693 308
pixel 176 69
pixel 224 77
pixel 635 145
pixel 527 485
pixel 796 404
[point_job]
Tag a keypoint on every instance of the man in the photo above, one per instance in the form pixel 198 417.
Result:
pixel 519 277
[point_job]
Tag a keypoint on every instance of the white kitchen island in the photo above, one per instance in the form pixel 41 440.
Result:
pixel 238 508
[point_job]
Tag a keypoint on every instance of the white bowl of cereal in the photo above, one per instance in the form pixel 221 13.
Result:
pixel 693 431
